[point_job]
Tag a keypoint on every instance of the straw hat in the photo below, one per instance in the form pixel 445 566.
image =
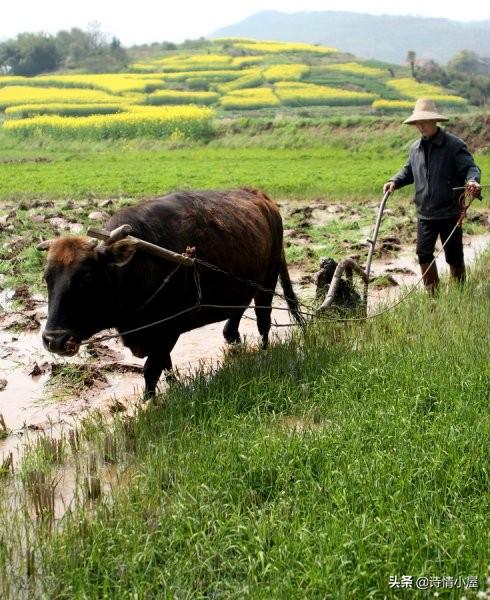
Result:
pixel 425 110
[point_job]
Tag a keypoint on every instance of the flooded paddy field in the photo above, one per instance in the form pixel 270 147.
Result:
pixel 69 432
pixel 41 392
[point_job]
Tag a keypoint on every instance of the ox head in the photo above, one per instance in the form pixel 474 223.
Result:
pixel 81 294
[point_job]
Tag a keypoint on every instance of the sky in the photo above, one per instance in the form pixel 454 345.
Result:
pixel 153 21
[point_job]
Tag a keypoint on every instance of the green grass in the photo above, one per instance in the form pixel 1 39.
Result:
pixel 290 158
pixel 388 475
pixel 281 172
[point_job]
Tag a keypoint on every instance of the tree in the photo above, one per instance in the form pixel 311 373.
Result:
pixel 432 72
pixel 29 54
pixel 411 56
pixel 469 62
pixel 90 50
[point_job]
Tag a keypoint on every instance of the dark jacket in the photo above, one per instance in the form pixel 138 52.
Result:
pixel 449 165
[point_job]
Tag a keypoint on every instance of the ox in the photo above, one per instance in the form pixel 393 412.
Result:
pixel 91 288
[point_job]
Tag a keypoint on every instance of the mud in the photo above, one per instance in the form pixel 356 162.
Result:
pixel 403 268
pixel 39 393
pixel 35 398
pixel 14 161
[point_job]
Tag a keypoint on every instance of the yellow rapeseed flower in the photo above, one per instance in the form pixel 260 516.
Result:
pixel 355 68
pixel 22 111
pixel 182 97
pixel 302 94
pixel 162 121
pixel 286 72
pixel 277 47
pixel 17 94
pixel 413 89
pixel 250 98
pixel 392 105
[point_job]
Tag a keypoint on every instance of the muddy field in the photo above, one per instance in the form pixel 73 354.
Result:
pixel 40 392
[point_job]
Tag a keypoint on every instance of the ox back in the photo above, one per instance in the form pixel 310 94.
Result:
pixel 239 231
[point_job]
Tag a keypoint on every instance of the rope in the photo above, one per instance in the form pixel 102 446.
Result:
pixel 165 282
pixel 243 280
pixel 308 313
pixel 464 208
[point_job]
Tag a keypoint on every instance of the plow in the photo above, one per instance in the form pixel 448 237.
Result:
pixel 347 267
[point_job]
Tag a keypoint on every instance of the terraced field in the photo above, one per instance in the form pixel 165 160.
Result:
pixel 234 76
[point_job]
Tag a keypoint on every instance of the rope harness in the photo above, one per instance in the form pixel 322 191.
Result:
pixel 465 201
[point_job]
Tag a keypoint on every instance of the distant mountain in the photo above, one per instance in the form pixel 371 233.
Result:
pixel 385 37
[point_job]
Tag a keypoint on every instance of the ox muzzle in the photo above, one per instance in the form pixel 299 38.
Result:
pixel 60 341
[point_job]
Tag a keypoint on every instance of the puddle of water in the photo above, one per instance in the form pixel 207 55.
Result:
pixel 406 259
pixel 23 402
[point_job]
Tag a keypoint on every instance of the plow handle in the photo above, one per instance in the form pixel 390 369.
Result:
pixel 372 244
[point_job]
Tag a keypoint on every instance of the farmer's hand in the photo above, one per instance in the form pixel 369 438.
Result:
pixel 473 188
pixel 389 186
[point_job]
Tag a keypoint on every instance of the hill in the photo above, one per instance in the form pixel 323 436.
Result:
pixel 383 37
pixel 159 96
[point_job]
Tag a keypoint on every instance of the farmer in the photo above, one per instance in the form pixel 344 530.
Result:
pixel 438 162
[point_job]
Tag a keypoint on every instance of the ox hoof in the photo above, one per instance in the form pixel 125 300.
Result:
pixel 149 395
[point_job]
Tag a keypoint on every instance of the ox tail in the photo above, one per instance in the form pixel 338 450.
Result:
pixel 290 296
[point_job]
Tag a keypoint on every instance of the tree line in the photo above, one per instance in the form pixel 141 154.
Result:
pixel 34 53
pixel 466 74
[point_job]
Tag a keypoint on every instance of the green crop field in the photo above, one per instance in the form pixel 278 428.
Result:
pixel 292 159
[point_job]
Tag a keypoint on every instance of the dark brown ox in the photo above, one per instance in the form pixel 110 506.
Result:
pixel 91 288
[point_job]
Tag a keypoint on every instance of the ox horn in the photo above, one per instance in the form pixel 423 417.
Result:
pixel 44 245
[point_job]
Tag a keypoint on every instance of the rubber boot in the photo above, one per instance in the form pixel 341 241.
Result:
pixel 431 278
pixel 458 274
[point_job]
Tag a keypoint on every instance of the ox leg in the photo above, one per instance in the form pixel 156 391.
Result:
pixel 230 330
pixel 263 299
pixel 158 361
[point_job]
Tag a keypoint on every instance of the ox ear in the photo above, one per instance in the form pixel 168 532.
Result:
pixel 119 253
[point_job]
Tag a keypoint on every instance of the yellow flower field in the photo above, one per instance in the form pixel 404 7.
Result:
pixel 17 94
pixel 249 99
pixel 251 79
pixel 111 83
pixel 247 61
pixel 412 89
pixel 22 111
pixel 392 105
pixel 356 68
pixel 190 122
pixel 182 97
pixel 286 72
pixel 277 47
pixel 235 74
pixel 194 62
pixel 211 75
pixel 303 94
